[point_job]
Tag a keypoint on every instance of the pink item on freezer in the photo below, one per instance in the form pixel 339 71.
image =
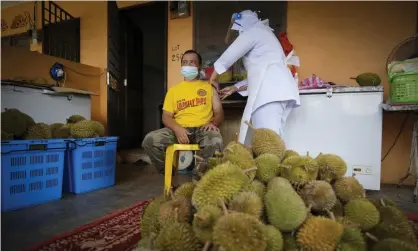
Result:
pixel 313 82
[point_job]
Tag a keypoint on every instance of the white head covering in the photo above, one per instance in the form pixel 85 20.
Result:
pixel 248 20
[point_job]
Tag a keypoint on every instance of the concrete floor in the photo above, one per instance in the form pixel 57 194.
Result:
pixel 134 184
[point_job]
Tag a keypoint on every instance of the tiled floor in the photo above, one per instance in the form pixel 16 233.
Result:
pixel 32 225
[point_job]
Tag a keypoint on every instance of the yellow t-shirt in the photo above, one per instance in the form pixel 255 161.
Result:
pixel 190 102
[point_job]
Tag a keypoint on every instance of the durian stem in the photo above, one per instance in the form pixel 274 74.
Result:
pixel 236 137
pixel 307 153
pixel 223 206
pixel 176 214
pixel 309 207
pixel 250 169
pixel 151 241
pixel 206 247
pixel 171 194
pixel 372 237
pixel 331 215
pixel 249 124
pixel 382 202
pixel 199 158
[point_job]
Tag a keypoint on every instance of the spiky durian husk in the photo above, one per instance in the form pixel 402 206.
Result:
pixel 247 202
pixel 15 122
pixel 239 155
pixel 220 183
pixel 38 131
pixel 331 167
pixel 319 195
pixel 319 234
pixel 83 129
pixel 75 119
pixel 240 232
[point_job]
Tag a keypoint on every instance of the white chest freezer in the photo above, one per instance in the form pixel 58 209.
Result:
pixel 44 105
pixel 346 121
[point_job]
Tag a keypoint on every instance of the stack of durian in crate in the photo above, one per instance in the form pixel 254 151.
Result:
pixel 16 125
pixel 268 198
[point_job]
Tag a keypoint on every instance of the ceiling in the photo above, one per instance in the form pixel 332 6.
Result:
pixel 5 4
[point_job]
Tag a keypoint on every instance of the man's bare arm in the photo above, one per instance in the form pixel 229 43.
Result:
pixel 218 111
pixel 169 122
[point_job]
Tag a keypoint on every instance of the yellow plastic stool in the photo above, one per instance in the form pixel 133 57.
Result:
pixel 170 154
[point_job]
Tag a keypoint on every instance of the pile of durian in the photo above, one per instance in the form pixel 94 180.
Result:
pixel 270 199
pixel 16 125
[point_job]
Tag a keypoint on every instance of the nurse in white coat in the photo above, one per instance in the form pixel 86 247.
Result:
pixel 272 90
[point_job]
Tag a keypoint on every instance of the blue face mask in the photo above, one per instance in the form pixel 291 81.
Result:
pixel 189 72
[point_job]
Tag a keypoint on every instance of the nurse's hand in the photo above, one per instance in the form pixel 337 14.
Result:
pixel 228 91
pixel 215 85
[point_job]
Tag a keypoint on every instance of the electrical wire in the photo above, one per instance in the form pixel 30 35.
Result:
pixel 84 74
pixel 397 137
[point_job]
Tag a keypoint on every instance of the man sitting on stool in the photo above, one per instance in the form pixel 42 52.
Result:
pixel 192 113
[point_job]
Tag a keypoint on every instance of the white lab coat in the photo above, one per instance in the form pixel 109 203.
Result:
pixel 269 78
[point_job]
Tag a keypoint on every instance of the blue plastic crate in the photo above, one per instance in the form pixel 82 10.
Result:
pixel 90 164
pixel 31 172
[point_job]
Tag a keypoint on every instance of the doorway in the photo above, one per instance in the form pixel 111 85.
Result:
pixel 133 108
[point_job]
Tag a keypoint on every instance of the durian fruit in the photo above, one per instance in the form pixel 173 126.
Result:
pixel 240 232
pixel 64 132
pixel 204 220
pixel 98 128
pixel 289 153
pixel 290 243
pixel 257 187
pixel 368 79
pixel 319 234
pixel 185 190
pixel 392 244
pixel 55 126
pixel 274 239
pixel 268 167
pixel 299 169
pixel 331 167
pixel 319 195
pixel 177 236
pixel 220 183
pixel 83 129
pixel 352 240
pixel 267 141
pixel 29 120
pixel 348 188
pixel 285 208
pixel 238 154
pixel 13 121
pixel 6 135
pixel 75 119
pixel 362 212
pixel 150 219
pixel 247 202
pixel 180 205
pixel 337 211
pixel 214 161
pixel 38 131
pixel 394 223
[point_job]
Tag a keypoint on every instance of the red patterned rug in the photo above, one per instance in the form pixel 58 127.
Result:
pixel 118 231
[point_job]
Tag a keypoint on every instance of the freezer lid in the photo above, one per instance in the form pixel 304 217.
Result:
pixel 342 89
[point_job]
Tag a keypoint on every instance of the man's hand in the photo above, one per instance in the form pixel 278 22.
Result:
pixel 182 135
pixel 228 91
pixel 210 127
